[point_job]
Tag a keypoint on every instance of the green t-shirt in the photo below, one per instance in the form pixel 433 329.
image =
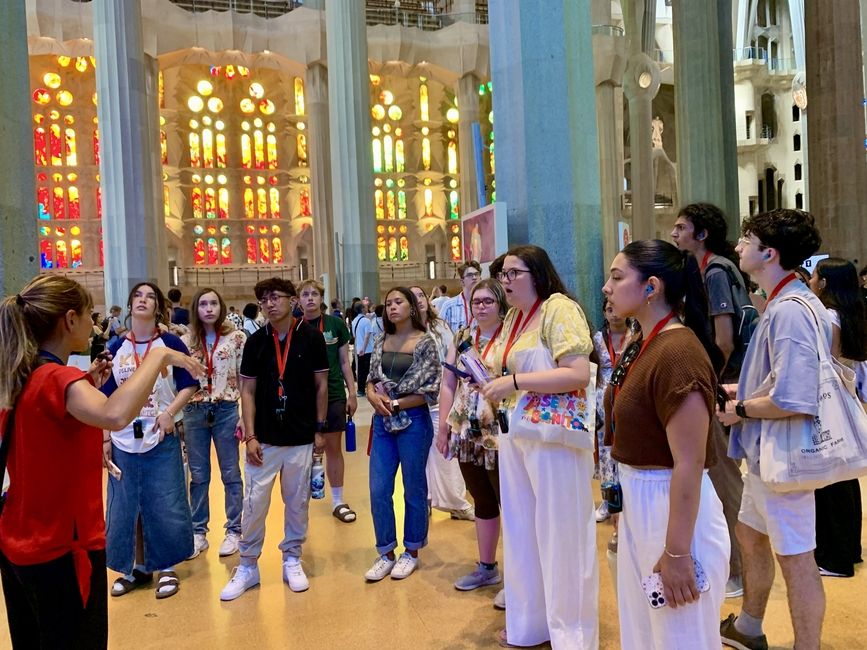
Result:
pixel 336 335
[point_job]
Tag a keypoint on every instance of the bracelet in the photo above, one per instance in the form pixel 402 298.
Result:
pixel 515 381
pixel 673 555
pixel 249 438
pixel 105 441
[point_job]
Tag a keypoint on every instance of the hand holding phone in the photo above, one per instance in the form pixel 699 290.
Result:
pixel 114 470
pixel 654 589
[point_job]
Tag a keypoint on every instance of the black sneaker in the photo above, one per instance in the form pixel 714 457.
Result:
pixel 734 639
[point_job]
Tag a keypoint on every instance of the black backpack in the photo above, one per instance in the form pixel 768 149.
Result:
pixel 746 316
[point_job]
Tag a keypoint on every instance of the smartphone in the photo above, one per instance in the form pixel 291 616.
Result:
pixel 652 585
pixel 115 471
pixel 456 371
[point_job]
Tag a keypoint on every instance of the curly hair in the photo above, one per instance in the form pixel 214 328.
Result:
pixel 792 233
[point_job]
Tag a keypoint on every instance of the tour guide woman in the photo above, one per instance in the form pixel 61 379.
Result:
pixel 404 378
pixel 52 531
pixel 671 515
pixel 551 586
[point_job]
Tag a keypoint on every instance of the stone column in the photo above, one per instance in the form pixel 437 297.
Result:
pixel 19 257
pixel 704 107
pixel 351 155
pixel 468 104
pixel 129 145
pixel 547 152
pixel 640 85
pixel 319 153
pixel 838 179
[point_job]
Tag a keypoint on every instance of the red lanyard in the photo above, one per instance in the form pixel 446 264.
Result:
pixel 782 283
pixel 656 330
pixel 490 341
pixel 131 338
pixel 609 344
pixel 282 357
pixel 209 358
pixel 704 260
pixel 466 311
pixel 518 329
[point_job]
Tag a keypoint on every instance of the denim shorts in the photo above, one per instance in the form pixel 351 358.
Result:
pixel 151 489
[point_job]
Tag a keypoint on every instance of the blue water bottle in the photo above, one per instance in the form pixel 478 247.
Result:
pixel 350 434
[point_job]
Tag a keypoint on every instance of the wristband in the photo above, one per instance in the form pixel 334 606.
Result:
pixel 741 410
pixel 249 438
pixel 515 381
pixel 675 556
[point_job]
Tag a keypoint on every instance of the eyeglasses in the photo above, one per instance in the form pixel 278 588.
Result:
pixel 273 298
pixel 629 355
pixel 471 275
pixel 487 302
pixel 746 242
pixel 511 274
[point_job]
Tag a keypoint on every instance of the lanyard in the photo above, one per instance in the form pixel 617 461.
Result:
pixel 466 311
pixel 138 361
pixel 782 283
pixel 610 345
pixel 704 260
pixel 518 329
pixel 490 341
pixel 282 357
pixel 656 330
pixel 209 358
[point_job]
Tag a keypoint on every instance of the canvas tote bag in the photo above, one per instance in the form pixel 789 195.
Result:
pixel 833 449
pixel 567 419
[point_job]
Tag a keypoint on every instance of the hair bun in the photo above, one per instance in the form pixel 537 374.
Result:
pixel 19 300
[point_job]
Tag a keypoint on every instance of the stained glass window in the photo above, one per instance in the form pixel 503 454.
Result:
pixel 221 150
pixel 249 205
pixel 425 153
pixel 259 149
pixel 302 149
pixel 223 203
pixel 74 202
pixel 305 203
pixel 381 251
pixel 453 157
pixel 39 147
pixel 399 157
pixel 424 105
pixel 272 151
pixel 390 211
pixel 428 202
pixel 388 150
pixel 378 204
pixel 246 152
pixel 377 155
pixel 401 204
pixel 299 96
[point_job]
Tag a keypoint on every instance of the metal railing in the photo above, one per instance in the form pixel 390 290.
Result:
pixel 607 30
pixel 421 20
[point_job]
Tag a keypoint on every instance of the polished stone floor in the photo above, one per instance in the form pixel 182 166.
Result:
pixel 341 611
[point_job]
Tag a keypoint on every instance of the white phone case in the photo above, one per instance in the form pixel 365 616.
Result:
pixel 652 585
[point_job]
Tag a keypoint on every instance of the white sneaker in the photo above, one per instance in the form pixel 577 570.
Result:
pixel 230 544
pixel 467 514
pixel 244 577
pixel 200 543
pixel 500 599
pixel 602 513
pixel 381 568
pixel 294 576
pixel 404 566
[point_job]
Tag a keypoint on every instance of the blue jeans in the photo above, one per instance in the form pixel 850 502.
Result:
pixel 151 489
pixel 409 449
pixel 198 434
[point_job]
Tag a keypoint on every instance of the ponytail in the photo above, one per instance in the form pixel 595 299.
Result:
pixel 683 287
pixel 26 320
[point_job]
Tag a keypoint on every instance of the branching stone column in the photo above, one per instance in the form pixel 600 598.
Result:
pixel 707 166
pixel 319 150
pixel 468 104
pixel 351 156
pixel 547 152
pixel 838 179
pixel 18 242
pixel 132 207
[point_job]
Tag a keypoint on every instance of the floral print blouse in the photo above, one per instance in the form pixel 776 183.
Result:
pixel 225 383
pixel 423 375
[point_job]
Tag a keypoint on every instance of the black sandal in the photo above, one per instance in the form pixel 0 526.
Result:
pixel 344 513
pixel 139 579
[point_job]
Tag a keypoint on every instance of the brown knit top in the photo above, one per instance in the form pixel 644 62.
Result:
pixel 673 365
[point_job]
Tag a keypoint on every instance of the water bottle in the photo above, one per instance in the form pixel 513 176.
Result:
pixel 317 478
pixel 350 434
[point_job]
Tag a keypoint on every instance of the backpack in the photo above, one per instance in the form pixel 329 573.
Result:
pixel 746 316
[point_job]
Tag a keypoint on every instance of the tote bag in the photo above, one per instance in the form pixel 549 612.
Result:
pixel 567 419
pixel 833 449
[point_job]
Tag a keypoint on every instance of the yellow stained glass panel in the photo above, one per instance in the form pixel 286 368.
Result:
pixel 299 96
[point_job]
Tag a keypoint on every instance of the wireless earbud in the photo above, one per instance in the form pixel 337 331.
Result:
pixel 767 256
pixel 648 290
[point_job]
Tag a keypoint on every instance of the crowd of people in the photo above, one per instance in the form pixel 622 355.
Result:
pixel 706 354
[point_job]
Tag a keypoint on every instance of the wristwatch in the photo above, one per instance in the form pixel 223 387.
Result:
pixel 741 410
pixel 395 406
pixel 322 426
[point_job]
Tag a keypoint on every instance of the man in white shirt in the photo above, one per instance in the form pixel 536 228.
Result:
pixel 441 298
pixel 456 312
pixel 781 523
